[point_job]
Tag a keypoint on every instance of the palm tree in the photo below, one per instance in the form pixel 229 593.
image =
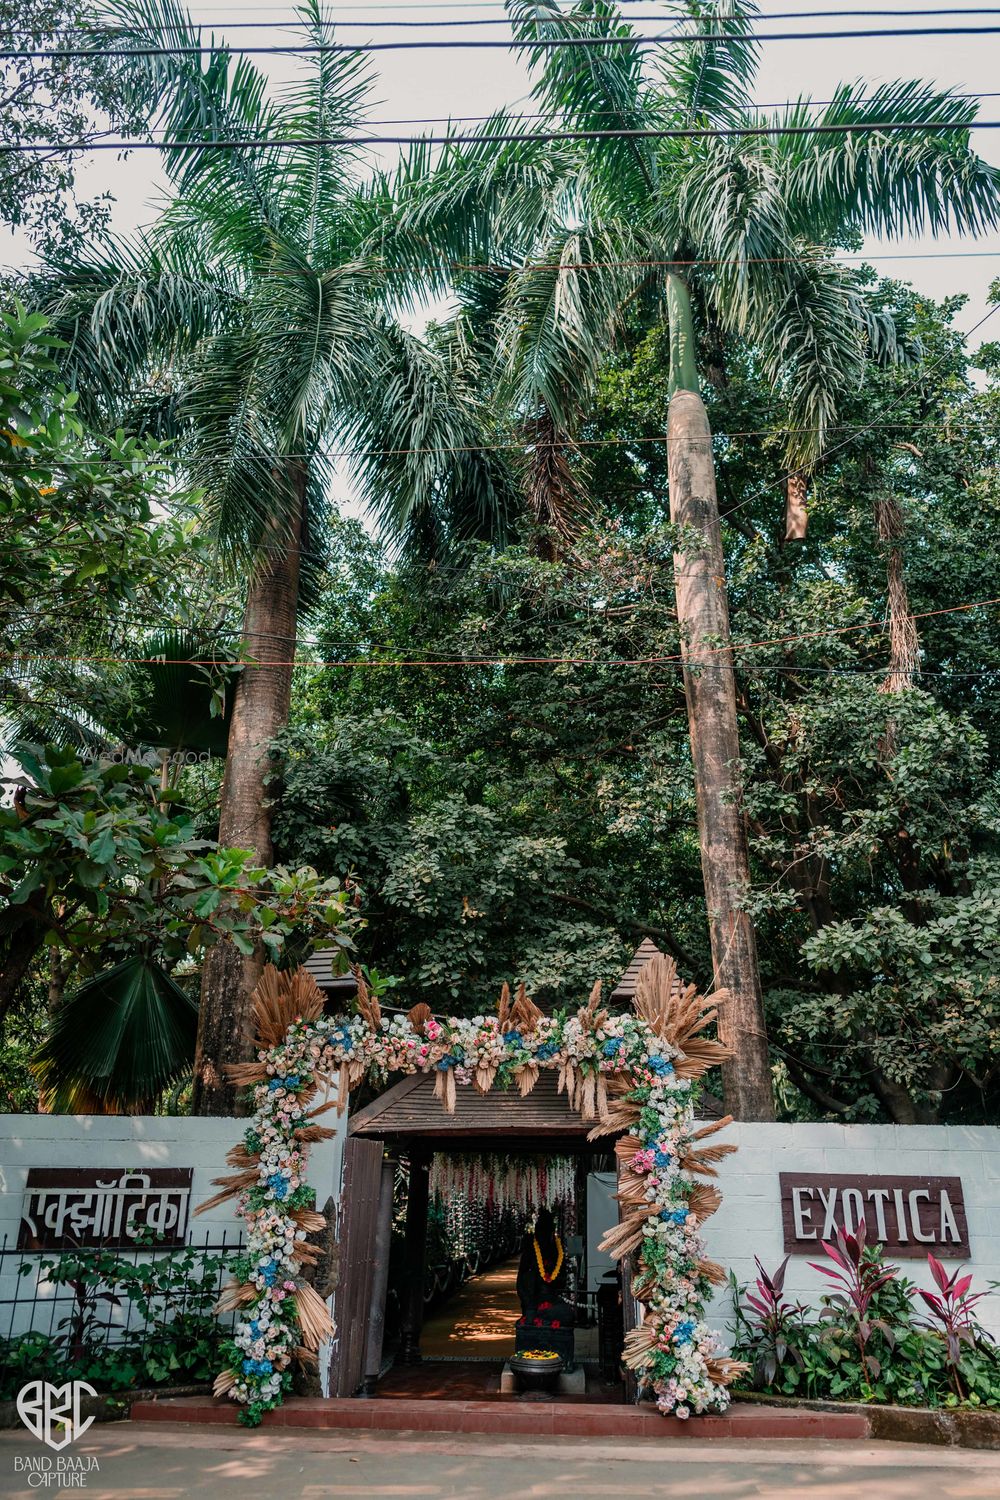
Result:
pixel 733 232
pixel 257 317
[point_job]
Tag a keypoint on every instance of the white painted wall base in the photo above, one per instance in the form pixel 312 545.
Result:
pixel 749 1222
pixel 134 1142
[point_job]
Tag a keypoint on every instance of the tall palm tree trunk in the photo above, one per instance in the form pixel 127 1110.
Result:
pixel 260 709
pixel 710 690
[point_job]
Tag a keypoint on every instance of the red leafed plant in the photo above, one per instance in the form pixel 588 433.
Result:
pixel 952 1316
pixel 860 1278
pixel 775 1325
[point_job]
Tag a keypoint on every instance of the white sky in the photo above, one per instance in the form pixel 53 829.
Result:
pixel 455 83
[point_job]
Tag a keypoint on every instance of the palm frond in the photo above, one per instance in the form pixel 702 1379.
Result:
pixel 711 82
pixel 197 97
pixel 883 182
pixel 120 1040
pixel 325 98
pixel 598 88
pixel 466 202
pixel 560 316
pixel 125 312
pixel 171 699
pixel 428 468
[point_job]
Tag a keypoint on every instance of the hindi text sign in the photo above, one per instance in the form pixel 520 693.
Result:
pixel 107 1206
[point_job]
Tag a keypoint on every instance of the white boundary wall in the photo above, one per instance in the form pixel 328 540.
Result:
pixel 748 1223
pixel 136 1142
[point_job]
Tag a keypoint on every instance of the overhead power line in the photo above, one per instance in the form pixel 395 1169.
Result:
pixel 403 6
pixel 673 39
pixel 921 425
pixel 526 268
pixel 509 138
pixel 505 20
pixel 508 661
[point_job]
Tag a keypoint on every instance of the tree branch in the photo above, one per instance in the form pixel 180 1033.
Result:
pixel 641 929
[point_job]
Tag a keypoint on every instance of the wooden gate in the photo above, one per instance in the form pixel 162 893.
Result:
pixel 356 1224
pixel 631 1310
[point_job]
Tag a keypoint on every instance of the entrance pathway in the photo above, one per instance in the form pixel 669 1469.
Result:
pixel 478 1322
pixel 161 1462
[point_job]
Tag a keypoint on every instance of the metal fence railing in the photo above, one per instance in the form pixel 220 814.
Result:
pixel 79 1302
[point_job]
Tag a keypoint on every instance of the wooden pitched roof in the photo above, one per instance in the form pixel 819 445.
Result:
pixel 624 991
pixel 411 1109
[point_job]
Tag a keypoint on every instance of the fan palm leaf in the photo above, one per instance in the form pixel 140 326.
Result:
pixel 119 1040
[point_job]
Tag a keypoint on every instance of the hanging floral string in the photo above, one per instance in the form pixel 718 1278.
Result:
pixel 518 1184
pixel 635 1073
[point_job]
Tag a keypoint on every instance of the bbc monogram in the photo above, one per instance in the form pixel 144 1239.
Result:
pixel 52 1412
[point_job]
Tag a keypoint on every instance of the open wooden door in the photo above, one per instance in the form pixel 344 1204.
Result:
pixel 631 1309
pixel 357 1220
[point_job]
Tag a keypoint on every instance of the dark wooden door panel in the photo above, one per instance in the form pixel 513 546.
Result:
pixel 357 1220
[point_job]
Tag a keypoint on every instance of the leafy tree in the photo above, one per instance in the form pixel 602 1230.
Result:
pixel 48 102
pixel 94 536
pixel 263 285
pixel 99 861
pixel 871 815
pixel 730 235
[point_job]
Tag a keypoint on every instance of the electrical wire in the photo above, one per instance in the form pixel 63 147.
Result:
pixel 498 268
pixel 920 425
pixel 508 661
pixel 509 138
pixel 785 104
pixel 466 43
pixel 505 20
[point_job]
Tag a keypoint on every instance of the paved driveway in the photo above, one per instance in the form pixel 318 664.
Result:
pixel 163 1462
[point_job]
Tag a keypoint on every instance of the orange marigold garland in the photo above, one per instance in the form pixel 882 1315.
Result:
pixel 548 1276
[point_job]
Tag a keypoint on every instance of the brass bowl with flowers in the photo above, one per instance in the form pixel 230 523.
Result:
pixel 537 1369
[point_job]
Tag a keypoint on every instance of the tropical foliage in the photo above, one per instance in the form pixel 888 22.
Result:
pixel 530 810
pixel 102 866
pixel 865 1342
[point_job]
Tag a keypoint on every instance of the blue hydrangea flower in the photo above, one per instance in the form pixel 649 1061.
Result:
pixel 673 1215
pixel 684 1332
pixel 662 1158
pixel 513 1038
pixel 547 1050
pixel 660 1066
pixel 612 1046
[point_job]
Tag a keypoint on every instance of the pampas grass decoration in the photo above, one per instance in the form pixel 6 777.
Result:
pixel 419 1016
pixel 368 1007
pixel 525 1015
pixel 526 1076
pixel 724 1371
pixel 308 1135
pixel 313 1315
pixel 483 1077
pixel 639 1343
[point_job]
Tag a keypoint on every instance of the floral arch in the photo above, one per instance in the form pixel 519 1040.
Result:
pixel 634 1075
